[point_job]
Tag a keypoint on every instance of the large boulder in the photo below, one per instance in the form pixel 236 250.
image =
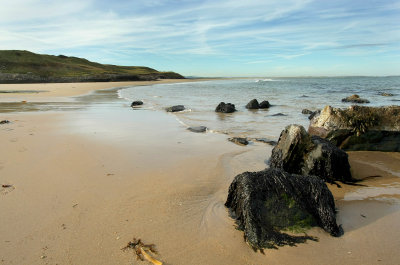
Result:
pixel 253 104
pixel 355 99
pixel 225 107
pixel 269 202
pixel 299 153
pixel 359 127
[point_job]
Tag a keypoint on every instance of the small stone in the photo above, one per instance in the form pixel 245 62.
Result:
pixel 198 129
pixel 43 257
pixel 239 140
pixel 4 121
pixel 136 103
pixel 175 108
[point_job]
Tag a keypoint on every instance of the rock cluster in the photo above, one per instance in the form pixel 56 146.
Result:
pixel 253 104
pixel 359 127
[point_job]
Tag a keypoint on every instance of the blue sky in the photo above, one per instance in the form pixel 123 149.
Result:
pixel 214 38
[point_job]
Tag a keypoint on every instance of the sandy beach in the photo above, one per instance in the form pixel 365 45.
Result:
pixel 80 184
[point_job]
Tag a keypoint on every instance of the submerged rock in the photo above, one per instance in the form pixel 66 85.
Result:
pixel 198 129
pixel 269 202
pixel 225 107
pixel 253 104
pixel 299 153
pixel 136 103
pixel 355 99
pixel 278 114
pixel 359 127
pixel 266 141
pixel 384 94
pixel 264 105
pixel 239 140
pixel 175 108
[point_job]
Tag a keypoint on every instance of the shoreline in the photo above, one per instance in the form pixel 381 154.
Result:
pixel 85 182
pixel 56 92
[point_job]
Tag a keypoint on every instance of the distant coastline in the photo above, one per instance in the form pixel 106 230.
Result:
pixel 18 67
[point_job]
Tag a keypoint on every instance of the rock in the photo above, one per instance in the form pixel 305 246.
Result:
pixel 307 111
pixel 264 105
pixel 198 129
pixel 225 108
pixel 271 201
pixel 175 108
pixel 317 112
pixel 266 141
pixel 4 121
pixel 359 127
pixel 384 94
pixel 239 140
pixel 253 104
pixel 299 153
pixel 136 103
pixel 278 114
pixel 355 99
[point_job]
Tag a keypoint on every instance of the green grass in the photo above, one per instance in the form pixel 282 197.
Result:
pixel 25 62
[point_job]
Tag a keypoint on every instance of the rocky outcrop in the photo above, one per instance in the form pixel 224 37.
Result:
pixel 359 127
pixel 175 108
pixel 355 99
pixel 225 107
pixel 264 105
pixel 299 153
pixel 269 202
pixel 198 129
pixel 136 103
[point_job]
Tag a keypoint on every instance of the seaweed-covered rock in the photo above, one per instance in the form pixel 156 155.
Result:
pixel 253 104
pixel 225 107
pixel 385 94
pixel 359 127
pixel 355 99
pixel 136 103
pixel 175 108
pixel 265 104
pixel 299 153
pixel 269 202
pixel 4 121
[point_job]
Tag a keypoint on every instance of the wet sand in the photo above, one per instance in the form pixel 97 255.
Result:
pixel 85 181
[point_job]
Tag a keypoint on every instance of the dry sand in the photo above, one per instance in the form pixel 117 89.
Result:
pixel 84 183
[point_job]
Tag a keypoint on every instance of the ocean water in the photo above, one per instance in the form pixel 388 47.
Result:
pixel 288 96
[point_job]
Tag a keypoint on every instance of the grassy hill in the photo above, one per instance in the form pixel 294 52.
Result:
pixel 27 67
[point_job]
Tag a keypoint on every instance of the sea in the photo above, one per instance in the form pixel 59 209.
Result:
pixel 287 96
